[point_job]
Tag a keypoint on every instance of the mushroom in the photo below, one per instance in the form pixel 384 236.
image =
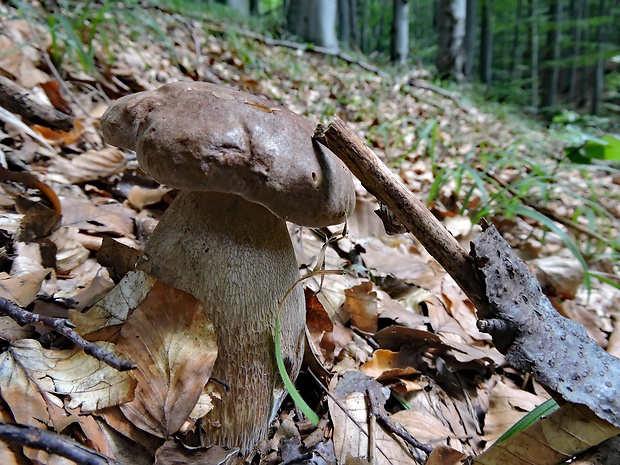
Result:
pixel 244 166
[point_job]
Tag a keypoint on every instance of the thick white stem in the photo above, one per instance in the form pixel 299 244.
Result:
pixel 237 258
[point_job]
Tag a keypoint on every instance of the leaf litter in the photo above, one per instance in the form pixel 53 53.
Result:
pixel 396 322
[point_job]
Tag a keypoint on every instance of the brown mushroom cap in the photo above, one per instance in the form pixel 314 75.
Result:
pixel 206 137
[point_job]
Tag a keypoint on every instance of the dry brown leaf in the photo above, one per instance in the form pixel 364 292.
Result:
pixel 23 289
pixel 361 305
pixel 116 306
pixel 70 253
pixel 111 218
pixel 18 56
pixel 89 383
pixel 388 365
pixel 174 346
pixel 444 455
pixel 558 437
pixel 508 405
pixel 90 165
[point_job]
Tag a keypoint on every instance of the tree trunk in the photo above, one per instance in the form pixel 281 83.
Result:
pixel 577 13
pixel 255 7
pixel 314 21
pixel 344 22
pixel 516 42
pixel 354 20
pixel 400 32
pixel 241 6
pixel 486 43
pixel 471 27
pixel 535 98
pixel 450 58
pixel 599 68
pixel 552 55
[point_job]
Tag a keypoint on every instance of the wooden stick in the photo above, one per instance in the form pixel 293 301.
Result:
pixel 380 181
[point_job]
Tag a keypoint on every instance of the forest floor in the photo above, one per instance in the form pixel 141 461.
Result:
pixel 66 193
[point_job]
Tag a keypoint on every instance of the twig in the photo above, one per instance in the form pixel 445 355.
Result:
pixel 63 326
pixel 380 181
pixel 345 410
pixel 440 91
pixel 18 100
pixel 53 443
pixel 379 413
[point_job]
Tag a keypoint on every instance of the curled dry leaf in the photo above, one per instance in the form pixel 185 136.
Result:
pixel 23 289
pixel 361 305
pixel 32 380
pixel 174 345
pixel 116 306
pixel 110 218
pixel 70 253
pixel 90 165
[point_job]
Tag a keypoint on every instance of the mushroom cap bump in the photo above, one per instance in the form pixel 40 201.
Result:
pixel 205 137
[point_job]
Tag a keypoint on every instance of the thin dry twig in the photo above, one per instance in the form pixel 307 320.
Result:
pixel 64 327
pixel 380 414
pixel 53 443
pixel 380 181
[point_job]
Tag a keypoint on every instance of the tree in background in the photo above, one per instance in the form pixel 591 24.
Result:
pixel 313 21
pixel 240 5
pixel 400 32
pixel 450 60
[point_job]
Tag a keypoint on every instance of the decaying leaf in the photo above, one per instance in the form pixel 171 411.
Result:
pixel 32 380
pixel 90 165
pixel 111 218
pixel 116 306
pixel 560 436
pixel 174 345
pixel 23 289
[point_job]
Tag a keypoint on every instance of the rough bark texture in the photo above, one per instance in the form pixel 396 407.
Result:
pixel 314 21
pixel 535 338
pixel 400 32
pixel 237 258
pixel 451 53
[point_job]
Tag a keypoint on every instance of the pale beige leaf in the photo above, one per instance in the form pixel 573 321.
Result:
pixel 554 439
pixel 508 404
pixel 352 444
pixel 90 165
pixel 112 218
pixel 116 306
pixel 23 289
pixel 11 331
pixel 70 252
pixel 174 346
pixel 89 383
pixel 28 259
pixel 140 197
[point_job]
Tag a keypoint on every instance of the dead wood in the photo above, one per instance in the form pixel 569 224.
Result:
pixel 18 100
pixel 64 327
pixel 380 181
pixel 53 443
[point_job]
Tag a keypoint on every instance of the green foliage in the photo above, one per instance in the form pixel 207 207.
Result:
pixel 543 410
pixel 79 29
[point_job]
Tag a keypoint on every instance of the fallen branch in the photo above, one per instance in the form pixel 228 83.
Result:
pixel 52 443
pixel 440 91
pixel 19 101
pixel 380 181
pixel 64 327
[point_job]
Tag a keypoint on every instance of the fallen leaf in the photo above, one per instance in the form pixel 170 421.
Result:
pixel 90 165
pixel 174 346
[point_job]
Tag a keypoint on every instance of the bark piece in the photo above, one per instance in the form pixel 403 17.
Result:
pixel 536 339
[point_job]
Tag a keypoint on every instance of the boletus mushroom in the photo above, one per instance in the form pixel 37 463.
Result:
pixel 244 166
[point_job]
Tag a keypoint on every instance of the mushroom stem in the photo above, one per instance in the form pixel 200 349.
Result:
pixel 237 258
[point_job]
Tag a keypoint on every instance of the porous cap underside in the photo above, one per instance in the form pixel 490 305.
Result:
pixel 206 137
